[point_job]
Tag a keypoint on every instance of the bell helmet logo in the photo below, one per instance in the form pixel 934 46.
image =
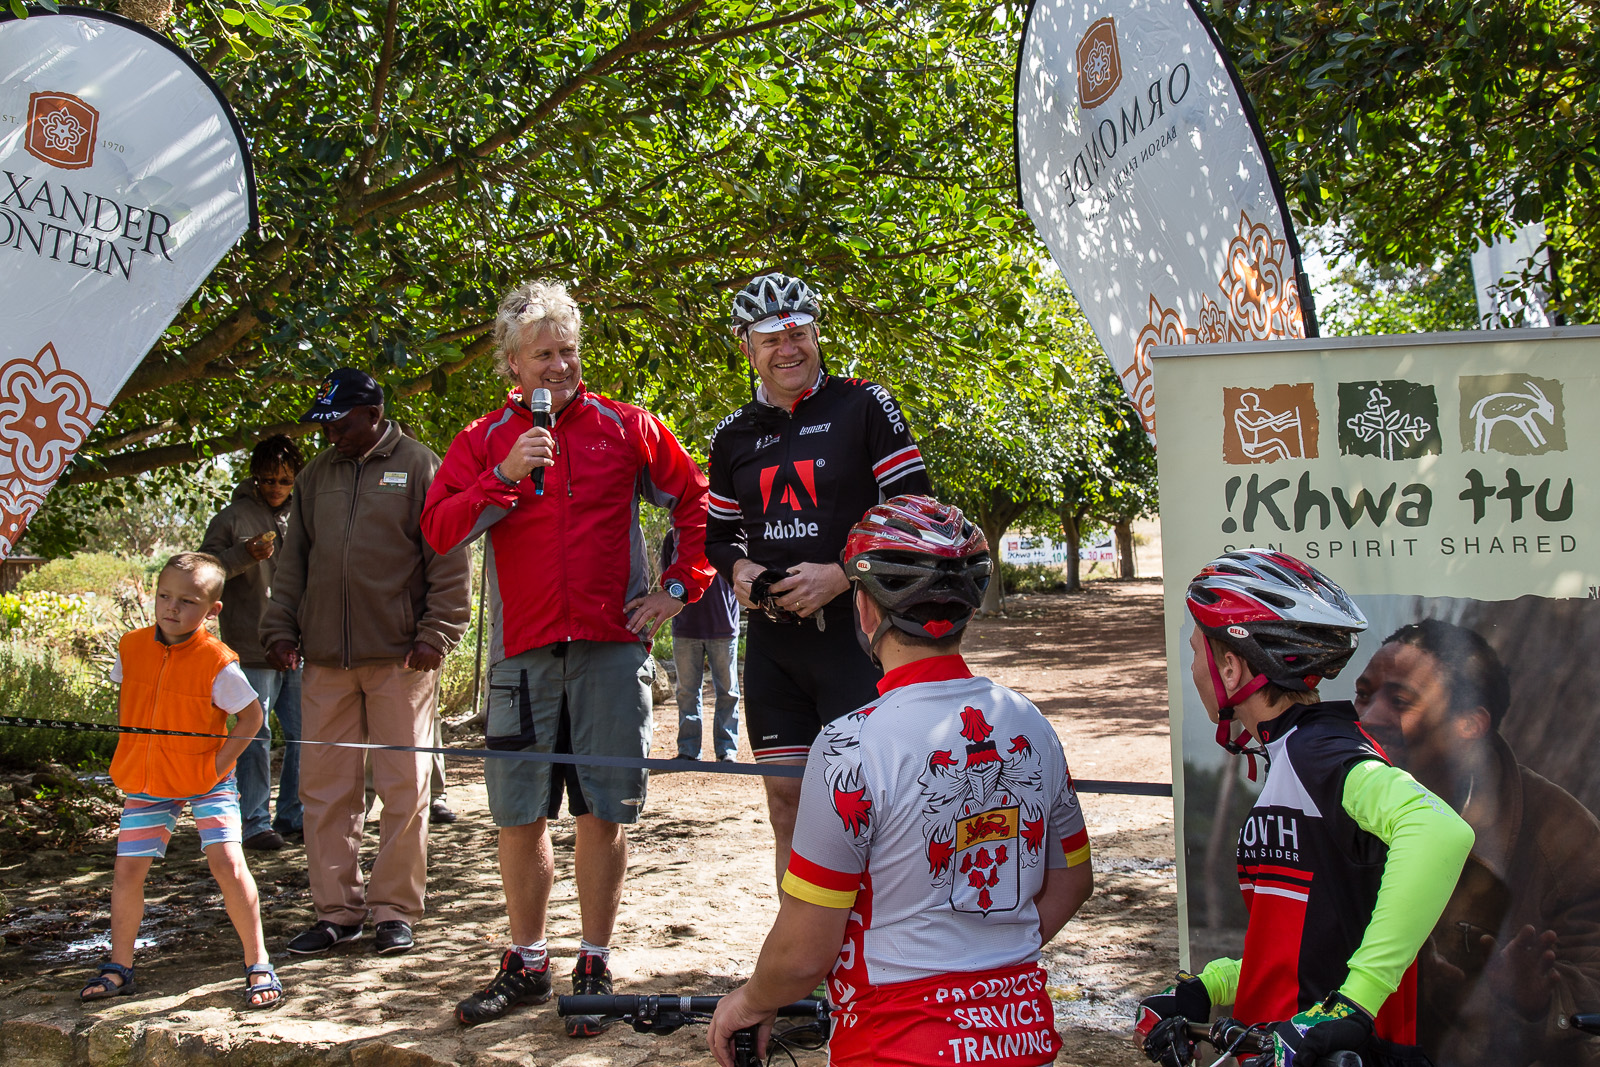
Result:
pixel 61 130
pixel 1239 632
pixel 1099 64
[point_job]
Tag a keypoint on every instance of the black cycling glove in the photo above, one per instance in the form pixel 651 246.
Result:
pixel 1163 1020
pixel 1338 1024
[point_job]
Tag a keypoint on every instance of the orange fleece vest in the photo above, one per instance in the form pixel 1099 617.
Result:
pixel 168 687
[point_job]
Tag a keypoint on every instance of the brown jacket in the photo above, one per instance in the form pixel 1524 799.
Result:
pixel 1536 864
pixel 356 583
pixel 249 579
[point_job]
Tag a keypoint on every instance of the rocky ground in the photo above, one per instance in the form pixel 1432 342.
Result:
pixel 698 902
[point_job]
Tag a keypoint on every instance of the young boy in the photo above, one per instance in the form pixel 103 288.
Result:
pixel 176 676
pixel 1345 862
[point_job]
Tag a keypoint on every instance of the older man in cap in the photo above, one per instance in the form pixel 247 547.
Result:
pixel 372 609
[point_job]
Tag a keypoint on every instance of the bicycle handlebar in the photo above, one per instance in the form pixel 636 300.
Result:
pixel 629 1005
pixel 1231 1035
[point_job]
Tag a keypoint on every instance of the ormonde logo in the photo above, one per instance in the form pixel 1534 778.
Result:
pixel 61 130
pixel 1099 64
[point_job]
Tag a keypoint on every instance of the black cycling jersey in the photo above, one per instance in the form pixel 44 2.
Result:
pixel 1309 873
pixel 787 486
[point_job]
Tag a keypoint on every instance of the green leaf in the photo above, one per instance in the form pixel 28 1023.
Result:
pixel 232 16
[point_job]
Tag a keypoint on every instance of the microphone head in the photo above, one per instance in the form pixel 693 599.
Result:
pixel 540 401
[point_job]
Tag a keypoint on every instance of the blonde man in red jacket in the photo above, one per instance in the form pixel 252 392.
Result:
pixel 572 617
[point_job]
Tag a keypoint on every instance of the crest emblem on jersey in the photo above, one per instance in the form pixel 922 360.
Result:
pixel 981 817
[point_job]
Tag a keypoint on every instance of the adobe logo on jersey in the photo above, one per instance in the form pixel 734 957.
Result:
pixel 805 475
pixel 1099 64
pixel 61 130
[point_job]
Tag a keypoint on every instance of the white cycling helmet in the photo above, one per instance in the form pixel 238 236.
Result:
pixel 774 297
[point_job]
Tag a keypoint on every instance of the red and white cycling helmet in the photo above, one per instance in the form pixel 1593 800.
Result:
pixel 1284 618
pixel 1287 620
pixel 923 562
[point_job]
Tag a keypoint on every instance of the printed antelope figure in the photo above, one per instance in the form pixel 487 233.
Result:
pixel 1519 409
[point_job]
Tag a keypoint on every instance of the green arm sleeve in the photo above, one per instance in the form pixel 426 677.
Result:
pixel 1221 979
pixel 1428 845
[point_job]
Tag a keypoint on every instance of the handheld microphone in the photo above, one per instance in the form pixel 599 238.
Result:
pixel 540 406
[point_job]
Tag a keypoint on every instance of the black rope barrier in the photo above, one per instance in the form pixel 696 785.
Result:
pixel 660 766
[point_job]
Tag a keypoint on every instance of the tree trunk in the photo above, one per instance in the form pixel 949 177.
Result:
pixel 1072 534
pixel 1123 528
pixel 994 597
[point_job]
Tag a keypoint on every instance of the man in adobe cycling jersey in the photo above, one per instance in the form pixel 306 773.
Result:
pixel 1345 861
pixel 939 842
pixel 790 472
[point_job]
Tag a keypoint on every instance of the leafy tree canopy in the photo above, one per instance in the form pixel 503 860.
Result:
pixel 415 161
pixel 1422 127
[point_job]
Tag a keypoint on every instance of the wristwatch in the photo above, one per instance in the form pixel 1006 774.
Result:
pixel 675 589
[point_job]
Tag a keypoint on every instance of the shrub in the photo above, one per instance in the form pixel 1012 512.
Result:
pixel 64 624
pixel 37 684
pixel 1032 578
pixel 87 572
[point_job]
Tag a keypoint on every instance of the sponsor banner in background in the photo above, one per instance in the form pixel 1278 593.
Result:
pixel 124 178
pixel 1025 549
pixel 1141 167
pixel 1446 481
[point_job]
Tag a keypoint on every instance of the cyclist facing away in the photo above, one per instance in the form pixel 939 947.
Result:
pixel 790 472
pixel 1345 861
pixel 939 842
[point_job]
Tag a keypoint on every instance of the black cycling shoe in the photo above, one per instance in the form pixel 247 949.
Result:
pixel 590 978
pixel 513 986
pixel 322 936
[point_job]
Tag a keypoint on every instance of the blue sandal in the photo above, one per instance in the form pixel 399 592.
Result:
pixel 270 986
pixel 101 987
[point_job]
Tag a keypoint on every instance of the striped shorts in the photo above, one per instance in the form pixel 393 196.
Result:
pixel 148 822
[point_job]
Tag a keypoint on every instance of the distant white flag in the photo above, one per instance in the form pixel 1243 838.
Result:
pixel 1496 265
pixel 124 178
pixel 1140 165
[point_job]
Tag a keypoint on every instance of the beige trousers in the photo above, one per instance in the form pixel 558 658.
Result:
pixel 385 705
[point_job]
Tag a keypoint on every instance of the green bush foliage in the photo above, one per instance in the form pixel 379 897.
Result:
pixel 88 572
pixel 37 683
pixel 1033 578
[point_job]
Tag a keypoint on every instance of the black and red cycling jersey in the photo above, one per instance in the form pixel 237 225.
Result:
pixel 787 485
pixel 1309 873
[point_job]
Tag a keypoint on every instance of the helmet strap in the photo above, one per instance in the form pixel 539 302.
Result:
pixel 1226 702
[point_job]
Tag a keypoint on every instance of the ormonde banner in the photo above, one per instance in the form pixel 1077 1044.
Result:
pixel 1448 482
pixel 1139 162
pixel 124 178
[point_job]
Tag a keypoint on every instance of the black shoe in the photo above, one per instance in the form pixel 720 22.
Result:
pixel 439 812
pixel 265 841
pixel 513 986
pixel 322 936
pixel 392 937
pixel 590 978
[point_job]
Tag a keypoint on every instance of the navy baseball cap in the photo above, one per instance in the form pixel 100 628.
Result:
pixel 340 391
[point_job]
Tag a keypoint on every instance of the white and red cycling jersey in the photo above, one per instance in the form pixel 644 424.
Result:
pixel 933 815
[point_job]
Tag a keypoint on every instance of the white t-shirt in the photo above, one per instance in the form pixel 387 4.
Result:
pixel 933 815
pixel 231 690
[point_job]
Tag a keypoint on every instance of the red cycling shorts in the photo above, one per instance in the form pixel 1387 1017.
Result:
pixel 1000 1018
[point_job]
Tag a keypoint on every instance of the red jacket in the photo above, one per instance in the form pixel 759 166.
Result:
pixel 562 565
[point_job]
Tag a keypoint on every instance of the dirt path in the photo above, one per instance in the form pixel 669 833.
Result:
pixel 697 903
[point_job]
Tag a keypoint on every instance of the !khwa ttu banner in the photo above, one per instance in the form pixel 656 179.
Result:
pixel 1448 483
pixel 1139 161
pixel 124 178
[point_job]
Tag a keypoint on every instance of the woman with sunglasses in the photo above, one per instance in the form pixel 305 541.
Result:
pixel 246 536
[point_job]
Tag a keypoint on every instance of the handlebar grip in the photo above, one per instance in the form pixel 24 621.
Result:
pixel 629 1004
pixel 1587 1021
